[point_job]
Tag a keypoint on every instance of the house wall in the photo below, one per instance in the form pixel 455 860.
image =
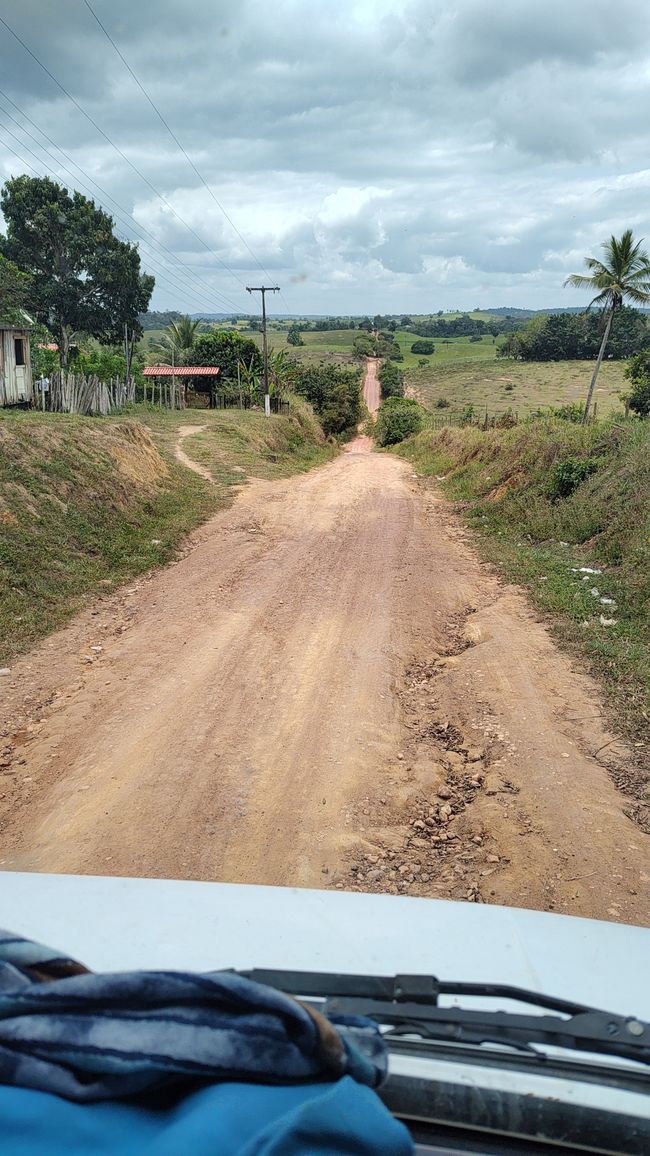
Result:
pixel 15 380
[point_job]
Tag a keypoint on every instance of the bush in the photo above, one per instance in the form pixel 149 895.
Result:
pixel 334 393
pixel 398 418
pixel 391 380
pixel 566 476
pixel 294 336
pixel 426 347
pixel 638 372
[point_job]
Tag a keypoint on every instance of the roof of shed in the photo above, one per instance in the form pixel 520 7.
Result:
pixel 181 371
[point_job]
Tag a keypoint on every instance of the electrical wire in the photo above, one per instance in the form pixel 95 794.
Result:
pixel 174 137
pixel 132 223
pixel 118 150
pixel 187 292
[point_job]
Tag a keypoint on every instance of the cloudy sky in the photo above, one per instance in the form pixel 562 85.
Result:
pixel 370 155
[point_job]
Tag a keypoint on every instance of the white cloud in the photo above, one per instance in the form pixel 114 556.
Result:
pixel 375 155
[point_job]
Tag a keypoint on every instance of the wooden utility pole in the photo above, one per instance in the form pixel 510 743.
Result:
pixel 264 289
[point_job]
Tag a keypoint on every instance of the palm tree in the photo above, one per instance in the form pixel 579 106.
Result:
pixel 624 274
pixel 176 342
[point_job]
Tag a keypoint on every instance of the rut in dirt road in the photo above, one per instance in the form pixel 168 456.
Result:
pixel 329 689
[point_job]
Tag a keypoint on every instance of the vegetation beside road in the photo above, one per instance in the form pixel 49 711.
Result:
pixel 549 497
pixel 87 503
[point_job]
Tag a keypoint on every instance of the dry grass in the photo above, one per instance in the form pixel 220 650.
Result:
pixel 482 383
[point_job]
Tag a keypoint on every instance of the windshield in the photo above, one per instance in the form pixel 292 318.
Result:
pixel 324 398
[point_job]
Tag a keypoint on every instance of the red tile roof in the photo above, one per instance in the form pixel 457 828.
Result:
pixel 181 371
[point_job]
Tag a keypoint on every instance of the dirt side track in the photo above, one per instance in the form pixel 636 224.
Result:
pixel 329 689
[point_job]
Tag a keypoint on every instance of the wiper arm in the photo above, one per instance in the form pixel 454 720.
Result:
pixel 408 1004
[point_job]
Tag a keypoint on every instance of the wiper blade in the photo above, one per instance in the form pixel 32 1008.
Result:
pixel 408 1005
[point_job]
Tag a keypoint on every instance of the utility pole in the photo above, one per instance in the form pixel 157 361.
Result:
pixel 264 289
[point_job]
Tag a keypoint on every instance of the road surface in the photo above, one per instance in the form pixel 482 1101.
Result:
pixel 328 690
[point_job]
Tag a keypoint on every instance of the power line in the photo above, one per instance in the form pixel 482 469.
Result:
pixel 174 137
pixel 186 291
pixel 132 223
pixel 118 150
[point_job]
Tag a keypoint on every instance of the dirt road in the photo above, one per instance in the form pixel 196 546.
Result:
pixel 328 689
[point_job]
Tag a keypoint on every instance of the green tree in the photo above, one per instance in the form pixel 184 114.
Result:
pixel 623 274
pixel 175 345
pixel 398 418
pixel 334 392
pixel 14 290
pixel 294 336
pixel 638 372
pixel 227 349
pixel 83 279
pixel 391 380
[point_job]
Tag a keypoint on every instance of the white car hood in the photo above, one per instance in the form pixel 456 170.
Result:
pixel 116 924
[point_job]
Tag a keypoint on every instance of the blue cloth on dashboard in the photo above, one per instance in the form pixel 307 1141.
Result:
pixel 339 1119
pixel 89 1036
pixel 178 1045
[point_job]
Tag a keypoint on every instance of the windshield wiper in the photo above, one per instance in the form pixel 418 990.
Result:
pixel 408 1005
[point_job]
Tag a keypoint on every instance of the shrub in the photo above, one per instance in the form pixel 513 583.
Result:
pixel 398 418
pixel 638 372
pixel 391 380
pixel 334 393
pixel 567 475
pixel 426 347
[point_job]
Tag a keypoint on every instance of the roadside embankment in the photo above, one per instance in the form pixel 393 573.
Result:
pixel 87 503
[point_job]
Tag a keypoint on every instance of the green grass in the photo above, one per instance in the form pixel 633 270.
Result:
pixel 334 346
pixel 86 503
pixel 482 383
pixel 504 482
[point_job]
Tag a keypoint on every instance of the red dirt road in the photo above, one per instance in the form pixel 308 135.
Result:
pixel 328 689
pixel 371 390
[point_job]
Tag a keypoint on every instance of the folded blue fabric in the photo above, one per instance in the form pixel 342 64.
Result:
pixel 90 1036
pixel 74 1044
pixel 339 1119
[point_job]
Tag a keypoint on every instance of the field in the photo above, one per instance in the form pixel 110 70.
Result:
pixel 483 384
pixel 465 372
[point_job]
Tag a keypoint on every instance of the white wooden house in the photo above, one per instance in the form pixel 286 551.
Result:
pixel 15 365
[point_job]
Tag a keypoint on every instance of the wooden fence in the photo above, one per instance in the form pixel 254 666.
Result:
pixel 481 420
pixel 74 393
pixel 223 401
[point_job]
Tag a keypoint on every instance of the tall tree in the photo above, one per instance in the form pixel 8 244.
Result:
pixel 14 290
pixel 83 278
pixel 226 348
pixel 623 274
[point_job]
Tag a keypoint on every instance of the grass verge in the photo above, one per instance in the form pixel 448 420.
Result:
pixel 511 487
pixel 87 503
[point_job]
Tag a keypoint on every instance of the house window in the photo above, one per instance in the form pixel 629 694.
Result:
pixel 19 346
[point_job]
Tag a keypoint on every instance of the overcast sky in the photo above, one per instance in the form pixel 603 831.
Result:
pixel 374 156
